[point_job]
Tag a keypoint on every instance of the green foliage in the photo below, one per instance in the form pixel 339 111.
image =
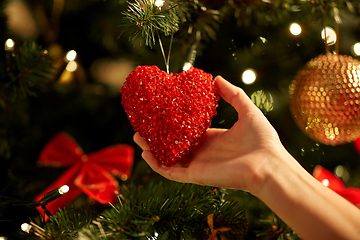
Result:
pixel 143 19
pixel 274 228
pixel 178 211
pixel 65 224
pixel 197 17
pixel 275 12
pixel 28 69
pixel 69 222
pixel 156 210
pixel 263 101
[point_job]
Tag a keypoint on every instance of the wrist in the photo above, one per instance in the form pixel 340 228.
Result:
pixel 308 207
pixel 279 166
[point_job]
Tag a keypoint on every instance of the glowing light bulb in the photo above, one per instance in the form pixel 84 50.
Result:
pixel 26 227
pixel 330 35
pixel 64 189
pixel 248 76
pixel 356 49
pixel 159 3
pixel 71 55
pixel 9 44
pixel 187 66
pixel 295 29
pixel 71 66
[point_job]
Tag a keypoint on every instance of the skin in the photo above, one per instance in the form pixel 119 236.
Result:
pixel 249 156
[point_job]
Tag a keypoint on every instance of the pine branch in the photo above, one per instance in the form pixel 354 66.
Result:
pixel 143 19
pixel 70 221
pixel 196 16
pixel 176 210
pixel 275 12
pixel 274 228
pixel 65 224
pixel 30 69
pixel 161 210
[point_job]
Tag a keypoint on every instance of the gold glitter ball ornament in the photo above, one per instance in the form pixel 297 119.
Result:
pixel 325 98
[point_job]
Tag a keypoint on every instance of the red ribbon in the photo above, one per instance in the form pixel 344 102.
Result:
pixel 334 183
pixel 89 173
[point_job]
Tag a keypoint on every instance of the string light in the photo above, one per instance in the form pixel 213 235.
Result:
pixel 54 194
pixel 26 227
pixel 64 189
pixel 71 55
pixel 295 29
pixel 330 35
pixel 9 45
pixel 248 76
pixel 34 229
pixel 51 196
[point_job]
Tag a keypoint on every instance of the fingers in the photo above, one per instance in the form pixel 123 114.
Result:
pixel 151 160
pixel 173 173
pixel 233 95
pixel 141 141
pixel 178 174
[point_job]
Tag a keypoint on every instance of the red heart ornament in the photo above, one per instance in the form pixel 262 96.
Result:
pixel 171 111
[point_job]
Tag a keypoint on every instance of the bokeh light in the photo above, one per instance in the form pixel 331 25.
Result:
pixel 159 3
pixel 187 66
pixel 330 35
pixel 295 29
pixel 9 44
pixel 356 49
pixel 248 76
pixel 71 66
pixel 325 182
pixel 71 55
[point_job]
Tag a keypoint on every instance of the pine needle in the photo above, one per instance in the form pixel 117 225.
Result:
pixel 31 69
pixel 157 210
pixel 144 20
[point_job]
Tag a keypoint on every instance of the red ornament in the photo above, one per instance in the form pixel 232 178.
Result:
pixel 89 173
pixel 334 183
pixel 171 111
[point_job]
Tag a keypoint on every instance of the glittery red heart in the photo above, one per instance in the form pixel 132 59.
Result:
pixel 171 111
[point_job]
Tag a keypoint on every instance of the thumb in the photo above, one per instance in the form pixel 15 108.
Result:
pixel 234 95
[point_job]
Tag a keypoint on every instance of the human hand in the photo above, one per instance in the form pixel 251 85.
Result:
pixel 240 157
pixel 250 156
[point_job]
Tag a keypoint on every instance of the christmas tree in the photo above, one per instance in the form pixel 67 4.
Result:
pixel 61 69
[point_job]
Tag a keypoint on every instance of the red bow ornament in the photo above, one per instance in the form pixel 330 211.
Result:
pixel 89 173
pixel 327 178
pixel 357 145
